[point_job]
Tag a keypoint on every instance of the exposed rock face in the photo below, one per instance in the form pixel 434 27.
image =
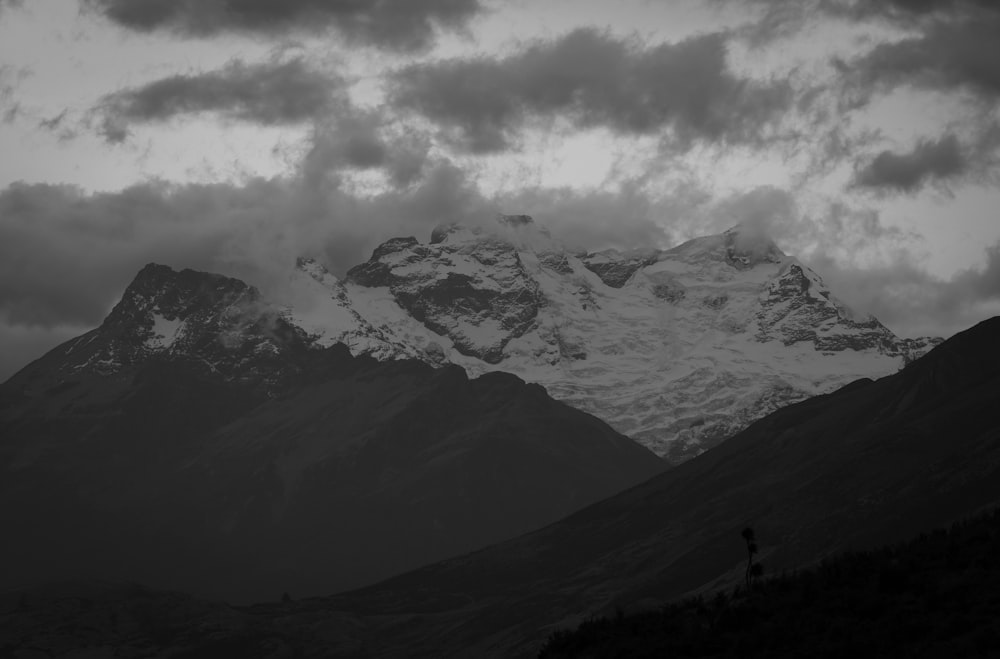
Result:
pixel 615 268
pixel 557 261
pixel 671 292
pixel 798 307
pixel 217 323
pixel 472 288
pixel 322 307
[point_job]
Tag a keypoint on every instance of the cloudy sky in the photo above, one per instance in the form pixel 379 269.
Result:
pixel 234 135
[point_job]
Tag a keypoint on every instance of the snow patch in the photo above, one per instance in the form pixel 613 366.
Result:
pixel 164 332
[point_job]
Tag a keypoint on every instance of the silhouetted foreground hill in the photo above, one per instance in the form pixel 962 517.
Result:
pixel 250 463
pixel 871 464
pixel 936 596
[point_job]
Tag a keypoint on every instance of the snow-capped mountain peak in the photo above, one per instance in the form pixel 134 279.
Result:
pixel 217 323
pixel 677 348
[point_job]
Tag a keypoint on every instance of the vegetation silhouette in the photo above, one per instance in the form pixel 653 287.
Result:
pixel 935 596
pixel 754 570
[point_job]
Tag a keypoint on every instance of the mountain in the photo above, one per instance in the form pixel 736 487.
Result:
pixel 677 349
pixel 198 441
pixel 217 325
pixel 875 462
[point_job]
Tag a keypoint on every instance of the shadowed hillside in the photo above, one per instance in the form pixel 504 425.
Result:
pixel 871 464
pixel 935 596
pixel 244 461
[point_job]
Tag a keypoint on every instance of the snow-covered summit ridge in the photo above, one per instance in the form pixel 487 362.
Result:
pixel 677 348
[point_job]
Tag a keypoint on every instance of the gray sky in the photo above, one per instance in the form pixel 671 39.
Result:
pixel 234 135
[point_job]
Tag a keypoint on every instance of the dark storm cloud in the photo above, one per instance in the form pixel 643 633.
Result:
pixel 400 25
pixel 907 10
pixel 269 93
pixel 955 43
pixel 66 255
pixel 955 51
pixel 898 290
pixel 832 239
pixel 780 18
pixel 928 161
pixel 903 295
pixel 593 79
pixel 983 282
pixel 943 46
pixel 949 55
pixel 360 141
pixel 273 93
pixel 62 252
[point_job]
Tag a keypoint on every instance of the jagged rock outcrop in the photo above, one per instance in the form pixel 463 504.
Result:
pixel 475 292
pixel 216 323
pixel 616 268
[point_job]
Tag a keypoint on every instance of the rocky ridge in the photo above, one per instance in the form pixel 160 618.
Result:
pixel 217 324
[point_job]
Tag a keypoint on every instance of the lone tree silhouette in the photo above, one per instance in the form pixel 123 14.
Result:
pixel 753 570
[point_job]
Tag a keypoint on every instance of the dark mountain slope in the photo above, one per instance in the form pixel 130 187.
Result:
pixel 872 463
pixel 238 460
pixel 934 596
